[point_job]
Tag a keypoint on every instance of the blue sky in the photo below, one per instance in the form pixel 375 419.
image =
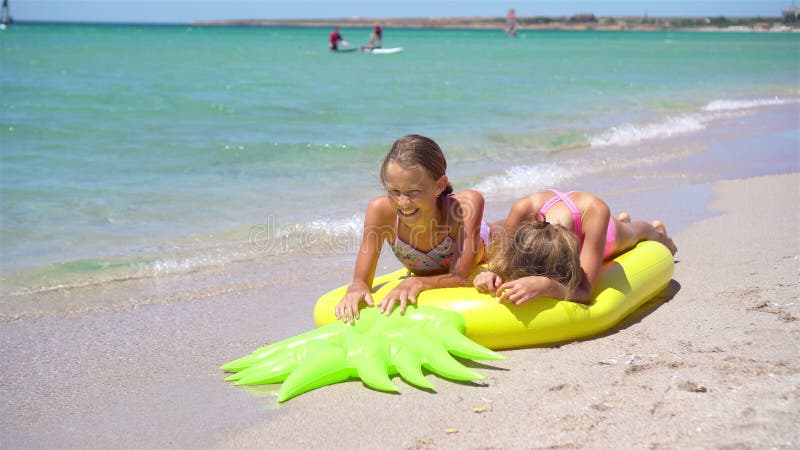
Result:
pixel 173 11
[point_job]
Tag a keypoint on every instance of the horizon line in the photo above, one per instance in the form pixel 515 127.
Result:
pixel 362 18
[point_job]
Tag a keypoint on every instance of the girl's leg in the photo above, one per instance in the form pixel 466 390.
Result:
pixel 630 233
pixel 664 237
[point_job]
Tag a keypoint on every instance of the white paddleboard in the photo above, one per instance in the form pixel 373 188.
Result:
pixel 387 50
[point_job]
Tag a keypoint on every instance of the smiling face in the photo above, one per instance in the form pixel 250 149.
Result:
pixel 413 193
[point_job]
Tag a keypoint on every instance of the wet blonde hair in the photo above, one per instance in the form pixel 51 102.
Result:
pixel 539 249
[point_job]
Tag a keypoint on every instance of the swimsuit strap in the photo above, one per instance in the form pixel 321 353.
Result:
pixel 576 214
pixel 551 202
pixel 447 213
pixel 396 227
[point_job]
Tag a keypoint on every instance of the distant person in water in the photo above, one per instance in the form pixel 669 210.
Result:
pixel 335 39
pixel 377 33
pixel 511 23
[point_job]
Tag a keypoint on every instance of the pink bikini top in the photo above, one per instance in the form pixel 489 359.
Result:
pixel 577 225
pixel 577 222
pixel 438 258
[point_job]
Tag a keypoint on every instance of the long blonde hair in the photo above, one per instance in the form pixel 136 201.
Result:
pixel 538 249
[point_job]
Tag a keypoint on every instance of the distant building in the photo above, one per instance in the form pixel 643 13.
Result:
pixel 583 18
pixel 791 14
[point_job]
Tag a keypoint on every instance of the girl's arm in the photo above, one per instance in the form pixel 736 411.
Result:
pixel 469 244
pixel 487 282
pixel 379 211
pixel 522 210
pixel 522 290
pixel 595 226
pixel 468 248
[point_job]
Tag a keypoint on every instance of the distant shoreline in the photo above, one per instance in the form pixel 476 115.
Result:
pixel 581 22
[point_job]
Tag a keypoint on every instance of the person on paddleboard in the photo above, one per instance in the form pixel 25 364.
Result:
pixel 335 39
pixel 377 33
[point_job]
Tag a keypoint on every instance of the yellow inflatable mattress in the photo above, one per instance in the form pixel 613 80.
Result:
pixel 625 283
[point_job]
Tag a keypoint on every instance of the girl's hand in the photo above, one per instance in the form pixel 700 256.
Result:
pixel 347 308
pixel 487 282
pixel 405 292
pixel 525 289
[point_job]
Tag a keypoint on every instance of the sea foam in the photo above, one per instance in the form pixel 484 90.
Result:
pixel 729 105
pixel 634 133
pixel 527 177
pixel 628 133
pixel 321 236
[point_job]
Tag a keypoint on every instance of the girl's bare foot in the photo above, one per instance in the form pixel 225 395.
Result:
pixel 663 237
pixel 624 217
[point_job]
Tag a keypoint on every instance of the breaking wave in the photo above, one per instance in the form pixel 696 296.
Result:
pixel 634 133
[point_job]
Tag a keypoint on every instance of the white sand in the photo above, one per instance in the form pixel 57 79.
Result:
pixel 713 363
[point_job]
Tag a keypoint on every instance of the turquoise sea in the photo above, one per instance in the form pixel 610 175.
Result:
pixel 143 151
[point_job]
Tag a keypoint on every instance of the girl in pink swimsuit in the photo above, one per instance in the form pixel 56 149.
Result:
pixel 437 234
pixel 555 244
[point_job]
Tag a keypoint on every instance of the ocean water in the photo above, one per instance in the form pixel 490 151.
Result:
pixel 131 152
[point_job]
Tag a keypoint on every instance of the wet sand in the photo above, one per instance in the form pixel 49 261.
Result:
pixel 712 362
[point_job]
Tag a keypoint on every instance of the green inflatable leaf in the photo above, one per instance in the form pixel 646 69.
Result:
pixel 372 349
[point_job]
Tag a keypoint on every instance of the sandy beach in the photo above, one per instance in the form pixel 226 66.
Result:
pixel 712 362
